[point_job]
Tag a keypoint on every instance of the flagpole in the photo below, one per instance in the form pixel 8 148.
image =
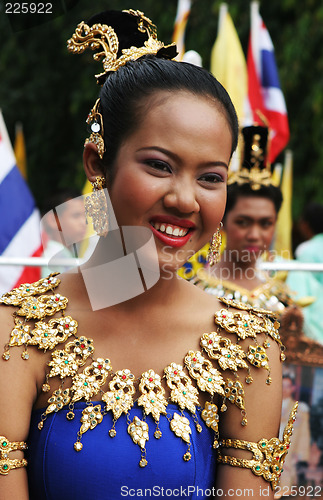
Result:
pixel 254 16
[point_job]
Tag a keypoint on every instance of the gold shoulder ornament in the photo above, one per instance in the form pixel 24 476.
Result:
pixel 268 455
pixel 215 370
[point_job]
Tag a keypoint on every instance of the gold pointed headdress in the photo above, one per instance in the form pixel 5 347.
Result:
pixel 103 36
pixel 254 168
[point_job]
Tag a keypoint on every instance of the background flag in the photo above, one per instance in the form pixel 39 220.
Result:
pixel 228 62
pixel 283 236
pixel 183 11
pixel 20 150
pixel 264 90
pixel 19 222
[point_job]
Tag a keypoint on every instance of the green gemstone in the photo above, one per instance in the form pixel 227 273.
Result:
pixel 85 383
pixel 277 468
pixel 34 307
pixel 184 392
pixel 257 468
pixel 229 355
pixel 152 400
pixel 66 362
pixel 117 398
pixel 209 379
pixel 5 467
pixel 263 444
pixel 246 324
pixel 27 289
pixel 4 443
pixel 45 334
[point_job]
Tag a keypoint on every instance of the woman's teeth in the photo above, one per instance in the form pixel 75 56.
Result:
pixel 170 229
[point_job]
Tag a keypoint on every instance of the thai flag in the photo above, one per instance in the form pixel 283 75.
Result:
pixel 19 219
pixel 264 92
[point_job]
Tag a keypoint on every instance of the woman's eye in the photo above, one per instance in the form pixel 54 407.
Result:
pixel 159 165
pixel 211 178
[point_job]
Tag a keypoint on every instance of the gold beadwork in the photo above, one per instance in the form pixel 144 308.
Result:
pixel 152 395
pixel 228 355
pixel 183 391
pixel 6 447
pixel 208 378
pixel 102 36
pixel 16 296
pixel 67 362
pixel 96 207
pixel 46 336
pixel 45 305
pixel 87 384
pixel 119 398
pixel 268 454
pixel 210 416
pixel 213 255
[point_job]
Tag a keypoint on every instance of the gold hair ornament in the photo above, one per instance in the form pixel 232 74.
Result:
pixel 96 207
pixel 6 447
pixel 102 36
pixel 95 121
pixel 268 454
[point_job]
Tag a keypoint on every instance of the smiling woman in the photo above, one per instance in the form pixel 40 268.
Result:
pixel 152 406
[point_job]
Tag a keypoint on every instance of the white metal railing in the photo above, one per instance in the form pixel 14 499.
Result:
pixel 290 265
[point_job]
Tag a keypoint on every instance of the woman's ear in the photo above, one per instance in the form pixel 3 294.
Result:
pixel 91 162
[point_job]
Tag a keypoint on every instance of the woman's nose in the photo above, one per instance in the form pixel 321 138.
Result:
pixel 182 196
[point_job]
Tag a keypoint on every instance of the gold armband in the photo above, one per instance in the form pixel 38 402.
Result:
pixel 6 447
pixel 268 454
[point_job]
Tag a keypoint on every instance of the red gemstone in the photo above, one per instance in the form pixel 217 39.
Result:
pixel 57 299
pixel 151 379
pixel 82 345
pixel 175 372
pixel 224 315
pixel 210 341
pixel 67 326
pixel 194 359
pixel 100 367
pixel 123 377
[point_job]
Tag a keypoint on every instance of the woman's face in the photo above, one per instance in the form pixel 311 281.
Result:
pixel 171 173
pixel 249 227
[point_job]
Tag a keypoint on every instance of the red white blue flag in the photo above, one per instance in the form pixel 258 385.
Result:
pixel 264 92
pixel 19 222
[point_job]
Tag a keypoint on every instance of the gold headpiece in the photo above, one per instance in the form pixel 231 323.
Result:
pixel 254 168
pixel 104 37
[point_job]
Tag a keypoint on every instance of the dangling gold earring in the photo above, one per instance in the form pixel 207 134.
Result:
pixel 96 207
pixel 213 255
pixel 96 125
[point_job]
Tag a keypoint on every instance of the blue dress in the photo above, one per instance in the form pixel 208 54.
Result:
pixel 108 468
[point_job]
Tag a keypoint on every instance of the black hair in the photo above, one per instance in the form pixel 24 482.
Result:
pixel 313 215
pixel 125 92
pixel 236 191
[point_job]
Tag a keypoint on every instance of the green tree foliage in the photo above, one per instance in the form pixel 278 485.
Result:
pixel 51 91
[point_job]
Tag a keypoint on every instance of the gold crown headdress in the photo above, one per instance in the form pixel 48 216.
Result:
pixel 254 168
pixel 101 36
pixel 133 27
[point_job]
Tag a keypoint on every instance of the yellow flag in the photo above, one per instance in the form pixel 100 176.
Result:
pixel 283 239
pixel 228 63
pixel 183 11
pixel 20 150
